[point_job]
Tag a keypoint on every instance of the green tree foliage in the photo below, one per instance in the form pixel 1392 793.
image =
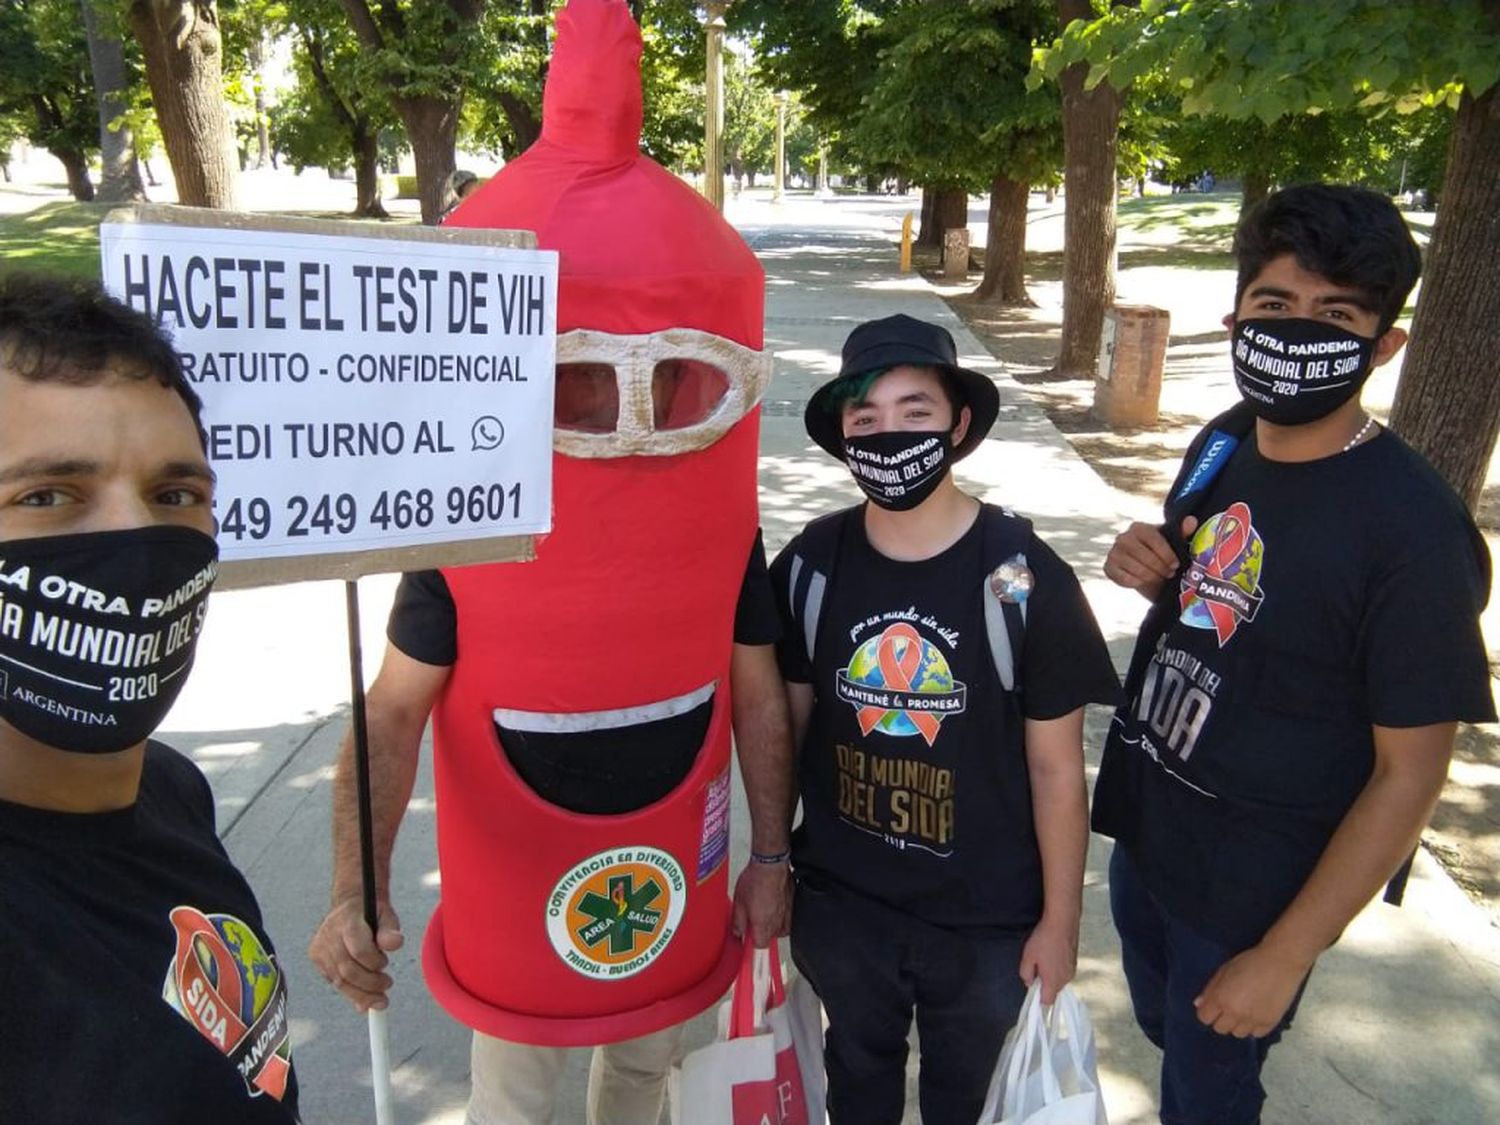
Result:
pixel 825 50
pixel 503 113
pixel 1344 146
pixel 673 91
pixel 332 118
pixel 503 107
pixel 931 90
pixel 949 102
pixel 1273 59
pixel 749 120
pixel 426 55
pixel 46 89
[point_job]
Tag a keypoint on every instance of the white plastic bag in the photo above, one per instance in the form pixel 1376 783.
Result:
pixel 767 1066
pixel 1048 1070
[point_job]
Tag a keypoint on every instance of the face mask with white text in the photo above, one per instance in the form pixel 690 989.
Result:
pixel 98 630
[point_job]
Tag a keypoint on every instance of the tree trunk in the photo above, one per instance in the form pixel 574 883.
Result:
pixel 525 123
pixel 432 128
pixel 1005 246
pixel 949 210
pixel 366 146
pixel 77 167
pixel 120 180
pixel 182 47
pixel 1091 120
pixel 1448 400
pixel 927 233
pixel 1255 186
pixel 257 61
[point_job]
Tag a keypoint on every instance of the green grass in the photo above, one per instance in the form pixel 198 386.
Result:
pixel 56 238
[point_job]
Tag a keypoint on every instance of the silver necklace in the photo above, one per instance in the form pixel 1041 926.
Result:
pixel 1363 430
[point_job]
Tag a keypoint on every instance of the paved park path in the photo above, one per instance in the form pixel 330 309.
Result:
pixel 1402 1019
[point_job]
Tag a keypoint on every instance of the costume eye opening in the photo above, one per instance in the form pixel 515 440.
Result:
pixel 587 398
pixel 685 392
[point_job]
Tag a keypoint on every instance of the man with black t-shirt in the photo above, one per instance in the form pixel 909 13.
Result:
pixel 137 983
pixel 1312 642
pixel 939 861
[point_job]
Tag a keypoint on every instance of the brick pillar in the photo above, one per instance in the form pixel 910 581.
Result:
pixel 1127 387
pixel 956 253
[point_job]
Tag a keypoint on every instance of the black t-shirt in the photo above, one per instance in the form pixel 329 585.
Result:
pixel 1321 597
pixel 137 983
pixel 424 624
pixel 928 808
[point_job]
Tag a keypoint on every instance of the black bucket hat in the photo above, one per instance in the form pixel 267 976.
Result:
pixel 878 345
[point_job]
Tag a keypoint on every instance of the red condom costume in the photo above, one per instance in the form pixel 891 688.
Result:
pixel 558 928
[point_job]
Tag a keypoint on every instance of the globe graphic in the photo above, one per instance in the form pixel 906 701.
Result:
pixel 257 974
pixel 932 674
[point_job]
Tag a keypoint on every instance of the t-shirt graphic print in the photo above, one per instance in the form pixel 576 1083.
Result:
pixel 901 684
pixel 223 981
pixel 1220 588
pixel 899 680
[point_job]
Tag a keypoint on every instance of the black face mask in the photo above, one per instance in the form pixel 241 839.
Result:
pixel 899 469
pixel 1292 371
pixel 97 632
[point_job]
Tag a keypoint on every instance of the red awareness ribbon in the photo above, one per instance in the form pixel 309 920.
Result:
pixel 1231 542
pixel 898 671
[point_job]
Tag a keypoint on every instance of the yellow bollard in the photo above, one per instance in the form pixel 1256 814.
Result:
pixel 906 243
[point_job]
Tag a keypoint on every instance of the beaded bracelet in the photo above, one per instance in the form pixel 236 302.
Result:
pixel 770 859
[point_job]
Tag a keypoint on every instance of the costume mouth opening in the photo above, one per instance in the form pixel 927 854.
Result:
pixel 607 762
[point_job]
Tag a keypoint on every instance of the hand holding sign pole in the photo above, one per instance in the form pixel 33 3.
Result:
pixel 361 417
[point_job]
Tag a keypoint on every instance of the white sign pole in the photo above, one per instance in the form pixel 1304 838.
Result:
pixel 380 1069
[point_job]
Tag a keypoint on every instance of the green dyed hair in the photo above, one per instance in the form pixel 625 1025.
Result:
pixel 855 388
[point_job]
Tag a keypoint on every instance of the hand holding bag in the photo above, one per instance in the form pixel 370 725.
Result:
pixel 765 1070
pixel 1048 1069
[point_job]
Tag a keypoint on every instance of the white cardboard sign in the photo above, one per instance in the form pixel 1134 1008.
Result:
pixel 361 394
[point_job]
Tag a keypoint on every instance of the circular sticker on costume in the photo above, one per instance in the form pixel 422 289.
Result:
pixel 616 911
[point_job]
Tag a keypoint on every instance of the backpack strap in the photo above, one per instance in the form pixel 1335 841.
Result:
pixel 1005 538
pixel 812 570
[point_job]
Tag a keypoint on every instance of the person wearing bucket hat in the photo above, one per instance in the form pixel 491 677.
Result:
pixel 938 657
pixel 895 341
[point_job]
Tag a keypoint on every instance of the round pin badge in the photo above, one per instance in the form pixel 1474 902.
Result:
pixel 1012 580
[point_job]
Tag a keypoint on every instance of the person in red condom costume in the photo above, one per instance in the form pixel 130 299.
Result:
pixel 583 703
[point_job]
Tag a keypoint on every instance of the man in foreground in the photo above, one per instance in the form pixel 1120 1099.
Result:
pixel 136 979
pixel 1313 641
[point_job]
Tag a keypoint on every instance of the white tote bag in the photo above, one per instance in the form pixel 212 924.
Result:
pixel 1048 1069
pixel 767 1066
